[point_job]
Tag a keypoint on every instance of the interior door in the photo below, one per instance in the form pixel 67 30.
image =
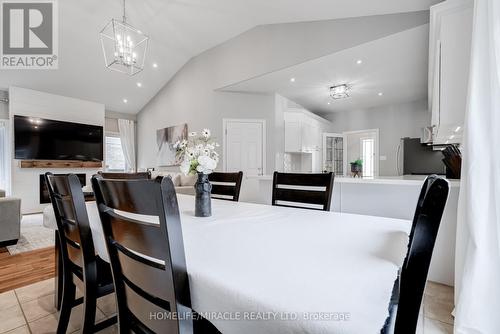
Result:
pixel 244 146
pixel 333 153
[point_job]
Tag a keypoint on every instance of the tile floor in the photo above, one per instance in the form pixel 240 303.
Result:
pixel 30 309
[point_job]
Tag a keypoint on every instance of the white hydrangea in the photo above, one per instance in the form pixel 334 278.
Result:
pixel 206 165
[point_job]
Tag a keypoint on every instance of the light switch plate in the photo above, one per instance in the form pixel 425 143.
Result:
pixel 383 158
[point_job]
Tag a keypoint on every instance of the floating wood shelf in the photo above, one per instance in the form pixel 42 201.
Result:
pixel 60 164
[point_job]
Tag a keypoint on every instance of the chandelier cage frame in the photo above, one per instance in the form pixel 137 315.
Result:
pixel 124 46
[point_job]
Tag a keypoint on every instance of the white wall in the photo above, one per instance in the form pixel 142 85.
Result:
pixel 4 107
pixel 393 121
pixel 25 102
pixel 224 105
pixel 191 96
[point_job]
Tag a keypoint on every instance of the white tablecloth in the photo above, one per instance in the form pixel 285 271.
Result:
pixel 284 270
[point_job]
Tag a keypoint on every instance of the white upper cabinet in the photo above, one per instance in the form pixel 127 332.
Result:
pixel 293 136
pixel 449 59
pixel 302 132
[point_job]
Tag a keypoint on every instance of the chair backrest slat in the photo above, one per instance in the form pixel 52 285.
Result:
pixel 226 185
pixel 413 276
pixel 150 234
pixel 289 187
pixel 126 176
pixel 147 257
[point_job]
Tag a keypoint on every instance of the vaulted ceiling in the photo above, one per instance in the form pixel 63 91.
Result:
pixel 179 30
pixel 386 71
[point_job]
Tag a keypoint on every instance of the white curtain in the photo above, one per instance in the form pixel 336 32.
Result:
pixel 4 157
pixel 477 281
pixel 127 137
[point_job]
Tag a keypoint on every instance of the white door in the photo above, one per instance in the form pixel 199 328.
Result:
pixel 244 146
pixel 367 149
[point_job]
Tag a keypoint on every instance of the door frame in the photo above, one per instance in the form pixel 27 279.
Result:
pixel 261 121
pixel 377 149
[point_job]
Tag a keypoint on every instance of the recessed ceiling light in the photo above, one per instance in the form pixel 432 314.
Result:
pixel 155 65
pixel 452 136
pixel 125 100
pixel 380 94
pixel 292 80
pixel 458 128
pixel 328 103
pixel 139 84
pixel 359 62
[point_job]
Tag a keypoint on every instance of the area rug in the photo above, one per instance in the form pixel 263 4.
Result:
pixel 33 235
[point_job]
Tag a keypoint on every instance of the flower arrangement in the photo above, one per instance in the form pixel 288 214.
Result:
pixel 197 153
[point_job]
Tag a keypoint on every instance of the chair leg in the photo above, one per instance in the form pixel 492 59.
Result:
pixel 59 281
pixel 89 308
pixel 67 302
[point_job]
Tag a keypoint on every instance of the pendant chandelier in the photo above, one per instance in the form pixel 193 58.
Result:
pixel 340 91
pixel 124 46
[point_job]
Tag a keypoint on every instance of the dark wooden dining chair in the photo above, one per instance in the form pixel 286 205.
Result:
pixel 125 176
pixel 289 188
pixel 409 287
pixel 77 253
pixel 226 185
pixel 147 258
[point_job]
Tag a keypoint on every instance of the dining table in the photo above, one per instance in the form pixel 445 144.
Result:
pixel 257 268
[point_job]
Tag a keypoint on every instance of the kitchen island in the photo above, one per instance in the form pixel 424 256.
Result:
pixel 392 197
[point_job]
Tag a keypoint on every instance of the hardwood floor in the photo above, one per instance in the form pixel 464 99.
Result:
pixel 25 268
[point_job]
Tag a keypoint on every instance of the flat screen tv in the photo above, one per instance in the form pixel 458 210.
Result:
pixel 45 139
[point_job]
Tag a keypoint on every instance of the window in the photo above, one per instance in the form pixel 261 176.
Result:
pixel 367 155
pixel 115 160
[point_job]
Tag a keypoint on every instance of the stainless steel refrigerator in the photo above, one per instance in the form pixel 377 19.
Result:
pixel 414 158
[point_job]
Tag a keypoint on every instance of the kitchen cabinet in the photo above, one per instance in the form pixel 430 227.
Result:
pixel 302 133
pixel 304 140
pixel 293 136
pixel 449 59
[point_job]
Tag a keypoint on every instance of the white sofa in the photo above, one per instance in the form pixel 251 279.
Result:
pixel 183 184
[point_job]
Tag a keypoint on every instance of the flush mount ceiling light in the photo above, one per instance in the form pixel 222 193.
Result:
pixel 124 46
pixel 340 91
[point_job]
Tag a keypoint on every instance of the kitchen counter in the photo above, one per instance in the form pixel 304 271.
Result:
pixel 395 180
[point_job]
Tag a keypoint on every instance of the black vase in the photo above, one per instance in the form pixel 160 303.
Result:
pixel 203 204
